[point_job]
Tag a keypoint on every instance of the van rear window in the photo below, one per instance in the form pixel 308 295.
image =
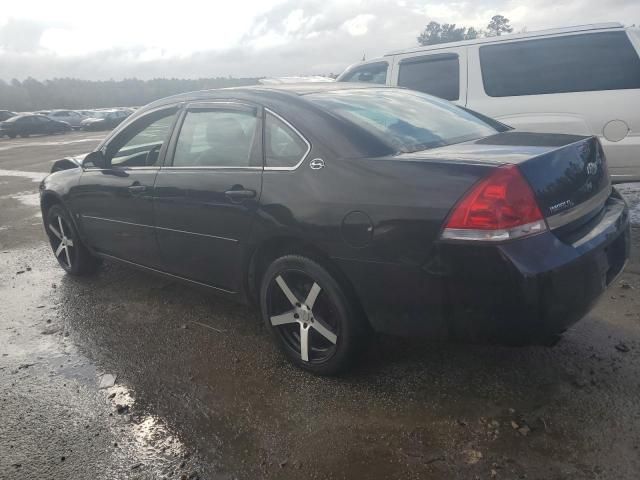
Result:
pixel 574 63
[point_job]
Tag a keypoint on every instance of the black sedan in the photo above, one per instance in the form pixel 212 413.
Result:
pixel 341 210
pixel 6 115
pixel 25 125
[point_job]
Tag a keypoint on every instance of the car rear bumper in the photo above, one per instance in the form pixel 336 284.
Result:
pixel 522 292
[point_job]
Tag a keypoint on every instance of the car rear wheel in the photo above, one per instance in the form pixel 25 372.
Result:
pixel 71 253
pixel 310 315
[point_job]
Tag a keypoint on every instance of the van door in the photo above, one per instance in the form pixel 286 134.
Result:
pixel 441 72
pixel 584 84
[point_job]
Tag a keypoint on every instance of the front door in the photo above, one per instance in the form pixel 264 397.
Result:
pixel 115 204
pixel 207 192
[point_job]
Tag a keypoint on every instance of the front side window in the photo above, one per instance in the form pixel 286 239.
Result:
pixel 372 73
pixel 404 120
pixel 216 138
pixel 284 148
pixel 573 63
pixel 140 143
pixel 437 75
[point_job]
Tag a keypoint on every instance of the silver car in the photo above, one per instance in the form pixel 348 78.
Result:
pixel 69 116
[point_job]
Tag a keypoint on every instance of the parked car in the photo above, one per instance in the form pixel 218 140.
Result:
pixel 105 120
pixel 25 125
pixel 6 115
pixel 71 117
pixel 579 80
pixel 339 210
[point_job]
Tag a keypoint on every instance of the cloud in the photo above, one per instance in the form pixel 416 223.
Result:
pixel 19 35
pixel 284 37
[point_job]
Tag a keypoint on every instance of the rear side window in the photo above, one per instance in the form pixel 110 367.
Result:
pixel 575 63
pixel 371 73
pixel 284 147
pixel 437 75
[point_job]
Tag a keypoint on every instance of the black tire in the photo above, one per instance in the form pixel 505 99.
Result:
pixel 11 135
pixel 71 253
pixel 334 328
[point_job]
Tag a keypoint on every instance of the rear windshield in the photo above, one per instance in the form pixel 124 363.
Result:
pixel 405 120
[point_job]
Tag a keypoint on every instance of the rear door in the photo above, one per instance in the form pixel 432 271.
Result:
pixel 207 193
pixel 441 73
pixel 579 83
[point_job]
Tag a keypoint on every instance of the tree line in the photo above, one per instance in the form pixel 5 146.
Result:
pixel 31 94
pixel 435 32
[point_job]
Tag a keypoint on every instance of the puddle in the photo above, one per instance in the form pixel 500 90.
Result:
pixel 29 199
pixel 35 176
pixel 31 144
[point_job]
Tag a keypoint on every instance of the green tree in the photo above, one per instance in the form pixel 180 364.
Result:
pixel 435 33
pixel 498 25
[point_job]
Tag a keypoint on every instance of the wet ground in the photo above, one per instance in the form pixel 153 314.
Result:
pixel 200 391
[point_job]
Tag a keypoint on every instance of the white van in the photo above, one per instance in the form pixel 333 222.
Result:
pixel 581 80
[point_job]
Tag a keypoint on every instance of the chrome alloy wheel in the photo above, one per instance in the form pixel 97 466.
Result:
pixel 61 242
pixel 304 316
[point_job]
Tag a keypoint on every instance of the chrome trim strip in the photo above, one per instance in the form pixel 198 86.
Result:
pixel 297 133
pixel 234 240
pixel 161 228
pixel 121 169
pixel 164 273
pixel 568 216
pixel 611 215
pixel 211 168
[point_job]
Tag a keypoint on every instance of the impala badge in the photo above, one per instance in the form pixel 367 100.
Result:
pixel 316 164
pixel 560 206
pixel 592 168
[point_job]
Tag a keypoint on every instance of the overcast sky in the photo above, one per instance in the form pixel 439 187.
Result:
pixel 200 38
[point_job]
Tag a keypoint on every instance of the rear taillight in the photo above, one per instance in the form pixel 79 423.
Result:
pixel 499 207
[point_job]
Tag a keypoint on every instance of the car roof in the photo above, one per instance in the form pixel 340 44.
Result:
pixel 260 91
pixel 511 36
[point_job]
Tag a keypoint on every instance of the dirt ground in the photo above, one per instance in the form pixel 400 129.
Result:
pixel 201 392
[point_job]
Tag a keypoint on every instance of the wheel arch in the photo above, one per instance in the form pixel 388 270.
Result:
pixel 48 199
pixel 277 246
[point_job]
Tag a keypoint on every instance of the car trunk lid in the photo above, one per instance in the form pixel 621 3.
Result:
pixel 568 173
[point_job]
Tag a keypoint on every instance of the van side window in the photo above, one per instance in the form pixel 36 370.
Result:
pixel 371 73
pixel 574 63
pixel 437 75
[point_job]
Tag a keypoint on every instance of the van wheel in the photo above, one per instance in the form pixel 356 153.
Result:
pixel 71 253
pixel 310 316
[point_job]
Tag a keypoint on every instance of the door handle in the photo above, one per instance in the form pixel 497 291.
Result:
pixel 137 188
pixel 240 194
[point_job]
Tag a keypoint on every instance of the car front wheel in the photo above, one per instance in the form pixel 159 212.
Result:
pixel 71 253
pixel 311 317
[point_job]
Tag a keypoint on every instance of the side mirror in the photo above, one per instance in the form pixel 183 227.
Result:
pixel 95 159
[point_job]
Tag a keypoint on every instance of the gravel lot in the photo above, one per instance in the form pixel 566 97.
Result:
pixel 200 392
